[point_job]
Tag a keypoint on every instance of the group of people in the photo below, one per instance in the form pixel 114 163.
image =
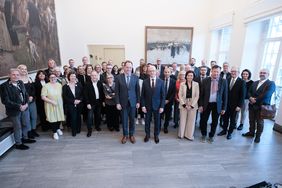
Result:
pixel 151 92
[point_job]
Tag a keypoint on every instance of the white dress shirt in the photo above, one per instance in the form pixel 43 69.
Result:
pixel 96 89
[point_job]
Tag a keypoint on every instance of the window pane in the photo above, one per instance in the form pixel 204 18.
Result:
pixel 270 56
pixel 275 29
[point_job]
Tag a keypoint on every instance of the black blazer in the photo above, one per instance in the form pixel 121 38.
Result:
pixel 222 94
pixel 11 97
pixel 68 96
pixel 228 75
pixel 236 95
pixel 81 79
pixel 89 93
pixel 170 93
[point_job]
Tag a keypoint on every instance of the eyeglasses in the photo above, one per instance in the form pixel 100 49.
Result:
pixel 109 77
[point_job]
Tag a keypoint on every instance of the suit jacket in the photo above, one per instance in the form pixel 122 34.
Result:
pixel 170 93
pixel 124 94
pixel 153 99
pixel 228 75
pixel 11 97
pixel 236 95
pixel 174 76
pixel 263 93
pixel 195 94
pixel 68 96
pixel 81 79
pixel 161 69
pixel 90 95
pixel 222 94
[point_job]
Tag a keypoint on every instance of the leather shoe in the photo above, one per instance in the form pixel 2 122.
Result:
pixel 124 139
pixel 229 136
pixel 157 140
pixel 165 130
pixel 146 139
pixel 240 127
pixel 132 139
pixel 257 139
pixel 89 133
pixel 248 134
pixel 98 129
pixel 28 141
pixel 22 147
pixel 221 133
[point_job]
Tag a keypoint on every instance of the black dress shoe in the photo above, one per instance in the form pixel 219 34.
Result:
pixel 146 139
pixel 229 136
pixel 240 127
pixel 221 133
pixel 117 130
pixel 89 133
pixel 111 129
pixel 257 139
pixel 28 141
pixel 22 147
pixel 248 134
pixel 30 135
pixel 98 129
pixel 165 130
pixel 157 140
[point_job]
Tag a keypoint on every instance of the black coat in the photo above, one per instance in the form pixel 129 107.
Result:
pixel 236 95
pixel 89 93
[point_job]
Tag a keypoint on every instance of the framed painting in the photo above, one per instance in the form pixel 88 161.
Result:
pixel 170 44
pixel 28 34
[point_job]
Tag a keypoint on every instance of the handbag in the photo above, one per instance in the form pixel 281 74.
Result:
pixel 268 111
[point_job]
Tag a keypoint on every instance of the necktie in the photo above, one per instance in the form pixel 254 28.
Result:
pixel 232 83
pixel 127 81
pixel 153 83
pixel 166 85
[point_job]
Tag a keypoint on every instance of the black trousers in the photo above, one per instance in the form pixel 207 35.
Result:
pixel 74 117
pixel 211 108
pixel 167 114
pixel 112 115
pixel 176 113
pixel 256 123
pixel 229 120
pixel 55 126
pixel 94 114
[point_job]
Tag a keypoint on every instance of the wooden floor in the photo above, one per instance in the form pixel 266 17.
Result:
pixel 101 161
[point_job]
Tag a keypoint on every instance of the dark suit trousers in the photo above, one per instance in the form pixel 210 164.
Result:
pixel 229 115
pixel 128 114
pixel 74 116
pixel 148 118
pixel 176 113
pixel 112 115
pixel 167 113
pixel 212 107
pixel 94 113
pixel 255 121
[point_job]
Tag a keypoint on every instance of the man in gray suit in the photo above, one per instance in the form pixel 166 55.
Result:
pixel 127 100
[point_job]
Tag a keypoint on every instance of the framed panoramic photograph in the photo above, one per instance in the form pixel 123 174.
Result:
pixel 28 34
pixel 170 44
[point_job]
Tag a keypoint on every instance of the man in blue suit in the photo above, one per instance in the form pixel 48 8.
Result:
pixel 260 94
pixel 127 100
pixel 213 98
pixel 152 102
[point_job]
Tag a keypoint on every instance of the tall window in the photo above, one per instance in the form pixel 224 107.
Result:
pixel 272 51
pixel 220 44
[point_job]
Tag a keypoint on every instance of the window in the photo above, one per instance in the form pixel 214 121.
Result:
pixel 220 43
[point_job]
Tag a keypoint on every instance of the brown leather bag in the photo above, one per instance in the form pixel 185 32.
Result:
pixel 268 111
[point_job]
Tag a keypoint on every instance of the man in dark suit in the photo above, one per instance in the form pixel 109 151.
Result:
pixel 152 102
pixel 160 68
pixel 15 98
pixel 260 94
pixel 170 89
pixel 174 72
pixel 94 96
pixel 71 65
pixel 127 100
pixel 195 69
pixel 51 66
pixel 225 72
pixel 213 98
pixel 236 96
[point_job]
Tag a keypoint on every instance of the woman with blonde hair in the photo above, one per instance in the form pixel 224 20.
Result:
pixel 188 105
pixel 29 86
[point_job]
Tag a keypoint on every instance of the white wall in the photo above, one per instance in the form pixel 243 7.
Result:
pixel 123 23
